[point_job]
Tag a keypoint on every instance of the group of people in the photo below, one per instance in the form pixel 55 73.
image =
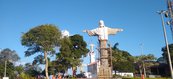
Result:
pixel 58 77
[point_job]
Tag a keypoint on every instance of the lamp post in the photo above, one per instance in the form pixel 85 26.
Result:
pixel 143 64
pixel 166 41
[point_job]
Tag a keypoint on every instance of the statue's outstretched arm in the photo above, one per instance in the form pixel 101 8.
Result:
pixel 113 31
pixel 90 32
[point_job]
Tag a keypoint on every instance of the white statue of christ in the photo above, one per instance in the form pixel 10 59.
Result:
pixel 102 31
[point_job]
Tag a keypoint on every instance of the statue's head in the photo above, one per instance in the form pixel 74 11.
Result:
pixel 101 23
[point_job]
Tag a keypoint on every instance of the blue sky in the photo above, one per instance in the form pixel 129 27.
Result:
pixel 138 18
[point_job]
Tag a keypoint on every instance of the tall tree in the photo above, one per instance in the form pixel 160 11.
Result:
pixel 8 55
pixel 19 69
pixel 144 62
pixel 78 50
pixel 9 71
pixel 71 50
pixel 64 57
pixel 32 70
pixel 122 60
pixel 165 55
pixel 41 39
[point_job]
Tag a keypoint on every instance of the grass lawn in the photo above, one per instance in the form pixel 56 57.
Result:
pixel 146 78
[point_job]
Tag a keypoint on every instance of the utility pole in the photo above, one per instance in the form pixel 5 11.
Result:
pixel 169 3
pixel 143 64
pixel 166 42
pixel 170 15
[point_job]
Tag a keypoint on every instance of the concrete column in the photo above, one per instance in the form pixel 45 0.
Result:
pixel 104 70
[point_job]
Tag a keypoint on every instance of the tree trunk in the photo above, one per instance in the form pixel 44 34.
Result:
pixel 140 70
pixel 73 71
pixel 143 65
pixel 46 65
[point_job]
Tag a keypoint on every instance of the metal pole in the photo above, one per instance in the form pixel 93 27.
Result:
pixel 169 3
pixel 143 64
pixel 5 68
pixel 166 42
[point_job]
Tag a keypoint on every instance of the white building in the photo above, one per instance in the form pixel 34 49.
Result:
pixel 125 74
pixel 93 67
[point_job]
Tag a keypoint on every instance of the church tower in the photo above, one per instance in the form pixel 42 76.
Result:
pixel 92 54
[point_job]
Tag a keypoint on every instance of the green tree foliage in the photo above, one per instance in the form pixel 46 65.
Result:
pixel 146 61
pixel 8 55
pixel 1 70
pixel 32 70
pixel 41 39
pixel 124 66
pixel 19 69
pixel 64 57
pixel 79 46
pixel 78 50
pixel 149 57
pixel 122 60
pixel 10 70
pixel 71 50
pixel 25 76
pixel 164 54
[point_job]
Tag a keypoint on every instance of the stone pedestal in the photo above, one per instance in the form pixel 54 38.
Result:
pixel 105 69
pixel 104 73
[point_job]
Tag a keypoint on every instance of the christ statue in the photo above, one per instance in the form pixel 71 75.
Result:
pixel 103 32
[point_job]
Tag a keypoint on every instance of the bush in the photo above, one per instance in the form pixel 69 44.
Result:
pixel 25 76
pixel 116 76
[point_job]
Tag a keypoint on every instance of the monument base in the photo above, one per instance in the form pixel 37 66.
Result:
pixel 105 73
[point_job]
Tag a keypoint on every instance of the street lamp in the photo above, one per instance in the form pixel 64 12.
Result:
pixel 168 14
pixel 166 41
